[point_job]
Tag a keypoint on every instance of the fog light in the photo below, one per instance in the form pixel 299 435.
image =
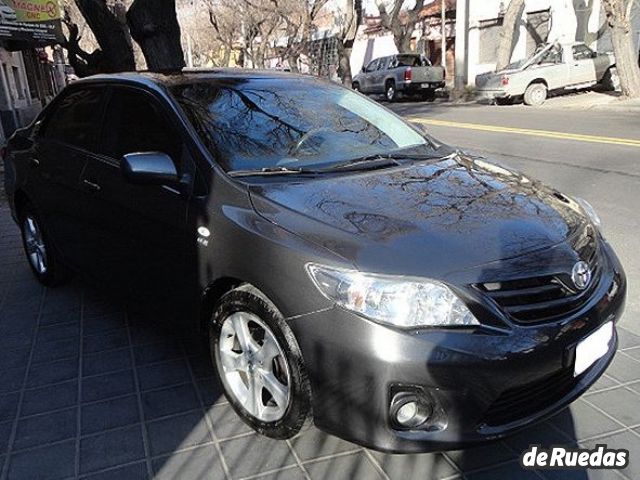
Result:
pixel 408 410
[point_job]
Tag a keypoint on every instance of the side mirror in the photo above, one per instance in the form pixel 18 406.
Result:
pixel 594 54
pixel 149 168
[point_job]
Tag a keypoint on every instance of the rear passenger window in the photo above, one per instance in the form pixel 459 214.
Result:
pixel 76 119
pixel 134 122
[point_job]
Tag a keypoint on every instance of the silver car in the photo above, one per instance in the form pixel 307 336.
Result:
pixel 401 74
pixel 553 67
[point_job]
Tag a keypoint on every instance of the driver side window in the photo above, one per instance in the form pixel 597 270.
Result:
pixel 135 122
pixel 373 66
pixel 582 52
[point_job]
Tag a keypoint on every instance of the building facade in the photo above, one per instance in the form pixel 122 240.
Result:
pixel 541 21
pixel 28 81
pixel 480 23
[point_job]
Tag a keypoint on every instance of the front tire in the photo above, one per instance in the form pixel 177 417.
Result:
pixel 259 363
pixel 41 255
pixel 535 94
pixel 355 86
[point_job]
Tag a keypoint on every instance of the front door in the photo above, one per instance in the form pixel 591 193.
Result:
pixel 378 76
pixel 367 78
pixel 582 69
pixel 139 231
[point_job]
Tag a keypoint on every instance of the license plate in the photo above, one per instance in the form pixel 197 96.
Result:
pixel 592 348
pixel 425 85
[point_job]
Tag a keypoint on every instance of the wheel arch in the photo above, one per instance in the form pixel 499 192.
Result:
pixel 538 80
pixel 212 293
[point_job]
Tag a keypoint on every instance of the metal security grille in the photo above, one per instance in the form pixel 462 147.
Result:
pixel 324 56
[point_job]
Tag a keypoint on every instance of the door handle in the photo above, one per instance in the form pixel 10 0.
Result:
pixel 93 186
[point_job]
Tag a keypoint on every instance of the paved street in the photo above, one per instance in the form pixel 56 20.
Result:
pixel 89 389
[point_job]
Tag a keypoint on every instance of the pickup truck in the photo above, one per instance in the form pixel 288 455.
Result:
pixel 553 67
pixel 400 74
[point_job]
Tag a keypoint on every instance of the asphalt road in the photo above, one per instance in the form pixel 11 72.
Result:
pixel 591 154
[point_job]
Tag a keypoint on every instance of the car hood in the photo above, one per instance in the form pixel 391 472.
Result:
pixel 439 217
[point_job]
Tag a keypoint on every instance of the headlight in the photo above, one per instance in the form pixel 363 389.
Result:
pixel 589 211
pixel 394 300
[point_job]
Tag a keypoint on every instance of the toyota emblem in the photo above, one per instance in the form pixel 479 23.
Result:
pixel 581 275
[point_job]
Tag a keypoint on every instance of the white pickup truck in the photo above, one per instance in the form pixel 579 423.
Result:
pixel 553 67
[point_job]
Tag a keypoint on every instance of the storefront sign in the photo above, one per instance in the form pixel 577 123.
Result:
pixel 30 22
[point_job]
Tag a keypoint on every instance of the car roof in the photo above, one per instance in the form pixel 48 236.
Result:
pixel 153 79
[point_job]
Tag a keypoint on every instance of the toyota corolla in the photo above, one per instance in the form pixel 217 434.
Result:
pixel 345 268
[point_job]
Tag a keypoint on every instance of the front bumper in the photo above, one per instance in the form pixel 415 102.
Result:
pixel 354 364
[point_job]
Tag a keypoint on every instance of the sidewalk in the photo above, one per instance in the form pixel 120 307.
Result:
pixel 594 100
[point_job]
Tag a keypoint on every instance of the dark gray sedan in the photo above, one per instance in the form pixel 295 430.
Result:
pixel 344 267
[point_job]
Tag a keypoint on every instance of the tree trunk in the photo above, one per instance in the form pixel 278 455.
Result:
pixel 344 65
pixel 292 60
pixel 618 15
pixel 402 39
pixel 116 52
pixel 226 56
pixel 154 25
pixel 508 33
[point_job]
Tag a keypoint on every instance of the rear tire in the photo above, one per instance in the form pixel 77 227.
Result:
pixel 390 92
pixel 611 80
pixel 535 94
pixel 43 258
pixel 243 367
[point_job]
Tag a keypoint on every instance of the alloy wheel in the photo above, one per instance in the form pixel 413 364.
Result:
pixel 254 365
pixel 391 93
pixel 34 242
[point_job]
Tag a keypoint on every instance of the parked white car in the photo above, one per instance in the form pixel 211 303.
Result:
pixel 554 67
pixel 7 14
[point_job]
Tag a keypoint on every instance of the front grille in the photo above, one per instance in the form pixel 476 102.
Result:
pixel 521 402
pixel 546 298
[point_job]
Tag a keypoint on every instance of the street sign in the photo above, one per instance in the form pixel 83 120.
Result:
pixel 30 23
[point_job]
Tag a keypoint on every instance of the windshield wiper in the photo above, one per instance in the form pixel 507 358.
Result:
pixel 266 171
pixel 380 160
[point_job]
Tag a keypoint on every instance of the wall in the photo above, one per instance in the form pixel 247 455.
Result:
pixel 367 48
pixel 17 108
pixel 565 18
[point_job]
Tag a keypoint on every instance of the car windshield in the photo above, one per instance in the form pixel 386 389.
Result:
pixel 265 123
pixel 543 54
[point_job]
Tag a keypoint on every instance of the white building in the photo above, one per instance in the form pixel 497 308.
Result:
pixel 481 21
pixel 17 103
pixel 548 20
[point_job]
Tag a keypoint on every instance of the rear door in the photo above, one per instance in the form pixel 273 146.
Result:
pixel 138 230
pixel 67 137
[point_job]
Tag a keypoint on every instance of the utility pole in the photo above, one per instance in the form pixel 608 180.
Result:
pixel 443 21
pixel 462 43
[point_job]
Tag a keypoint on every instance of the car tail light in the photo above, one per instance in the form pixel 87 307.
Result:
pixel 408 74
pixel 504 80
